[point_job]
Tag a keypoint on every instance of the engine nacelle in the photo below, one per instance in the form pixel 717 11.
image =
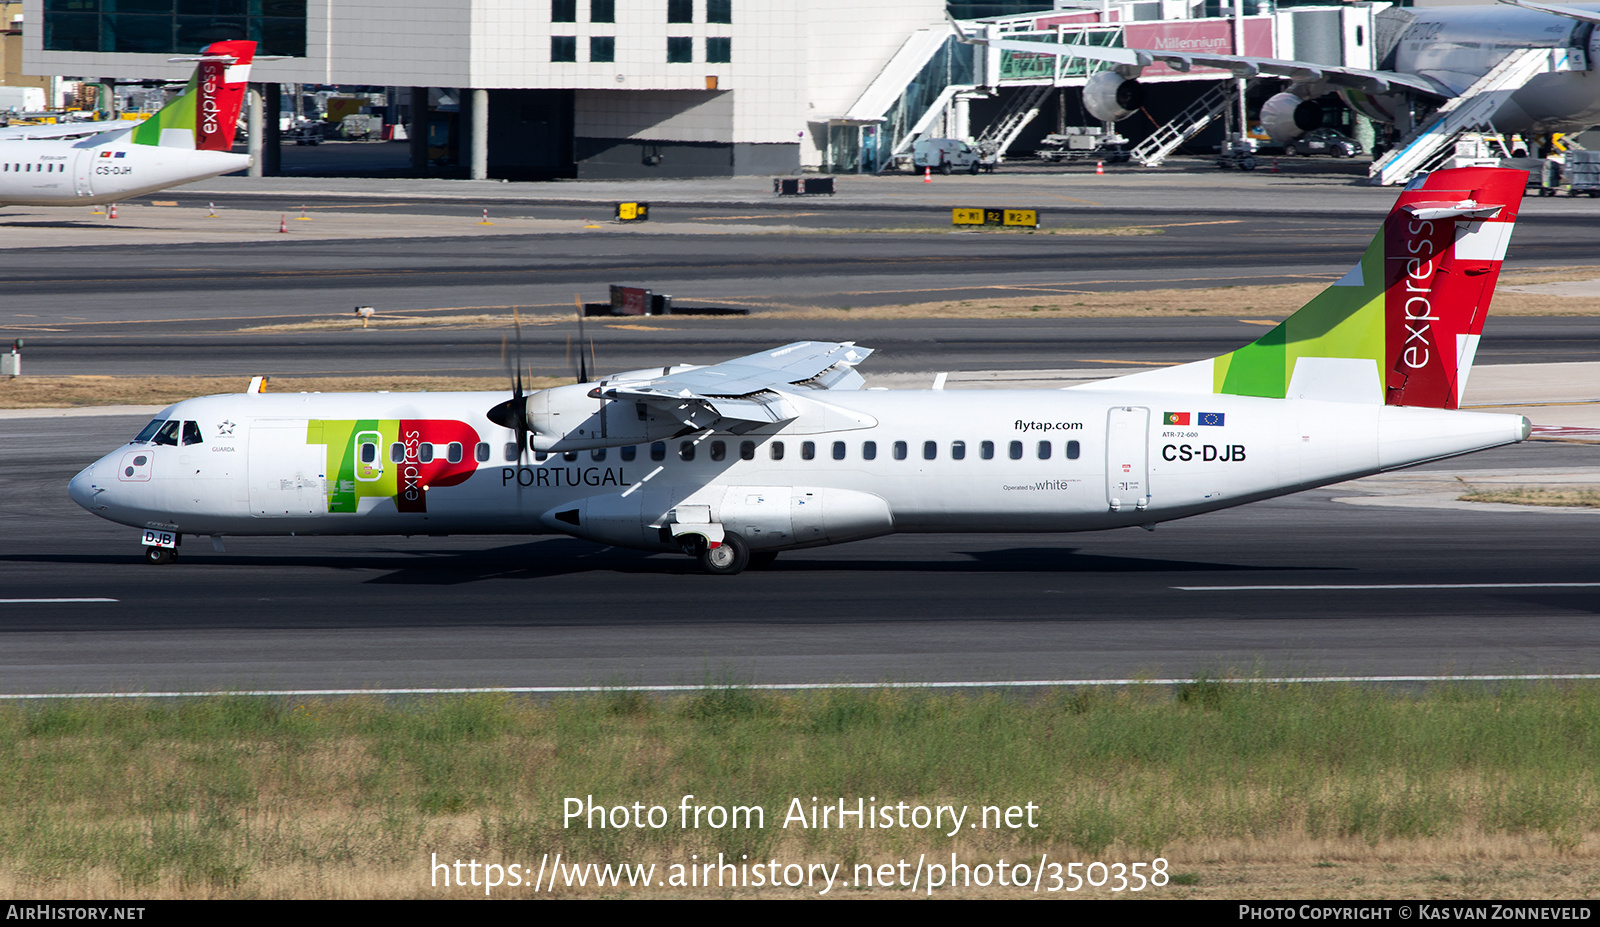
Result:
pixel 571 418
pixel 1108 96
pixel 1286 117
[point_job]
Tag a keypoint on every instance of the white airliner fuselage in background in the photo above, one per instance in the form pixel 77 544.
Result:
pixel 190 139
pixel 783 449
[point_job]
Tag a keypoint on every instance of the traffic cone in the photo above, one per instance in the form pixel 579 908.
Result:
pixel 303 216
pixel 283 223
pixel 1274 165
pixel 927 175
pixel 113 213
pixel 213 213
pixel 1099 167
pixel 486 218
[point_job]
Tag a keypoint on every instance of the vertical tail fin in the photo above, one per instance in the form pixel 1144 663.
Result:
pixel 1402 326
pixel 205 115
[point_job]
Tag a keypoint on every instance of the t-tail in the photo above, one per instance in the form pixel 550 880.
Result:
pixel 1400 328
pixel 205 116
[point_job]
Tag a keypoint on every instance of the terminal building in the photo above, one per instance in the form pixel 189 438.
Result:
pixel 677 88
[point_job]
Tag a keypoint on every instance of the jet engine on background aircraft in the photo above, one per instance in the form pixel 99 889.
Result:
pixel 1287 116
pixel 1108 96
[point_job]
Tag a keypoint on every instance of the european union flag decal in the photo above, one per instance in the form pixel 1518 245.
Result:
pixel 1210 418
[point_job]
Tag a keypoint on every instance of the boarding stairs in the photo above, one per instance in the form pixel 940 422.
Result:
pixel 1020 110
pixel 1434 140
pixel 1186 125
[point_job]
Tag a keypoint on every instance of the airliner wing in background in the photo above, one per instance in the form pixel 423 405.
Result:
pixel 1241 65
pixel 1583 16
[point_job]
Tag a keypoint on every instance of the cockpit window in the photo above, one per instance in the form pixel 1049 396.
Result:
pixel 168 434
pixel 191 433
pixel 149 431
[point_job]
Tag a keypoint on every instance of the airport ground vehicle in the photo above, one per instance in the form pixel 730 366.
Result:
pixel 947 155
pixel 1323 141
pixel 736 462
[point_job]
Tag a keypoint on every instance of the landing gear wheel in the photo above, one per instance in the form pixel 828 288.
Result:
pixel 727 558
pixel 159 555
pixel 761 559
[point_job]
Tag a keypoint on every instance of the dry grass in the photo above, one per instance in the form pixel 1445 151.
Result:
pixel 68 392
pixel 1553 496
pixel 398 321
pixel 1249 792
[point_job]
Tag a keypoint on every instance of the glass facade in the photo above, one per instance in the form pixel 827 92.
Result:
pixel 174 27
pixel 680 50
pixel 602 48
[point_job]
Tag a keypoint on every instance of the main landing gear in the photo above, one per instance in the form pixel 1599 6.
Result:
pixel 727 558
pixel 158 556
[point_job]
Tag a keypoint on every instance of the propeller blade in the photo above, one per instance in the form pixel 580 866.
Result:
pixel 583 365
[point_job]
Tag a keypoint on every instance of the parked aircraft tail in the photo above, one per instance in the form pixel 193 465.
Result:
pixel 205 115
pixel 1402 326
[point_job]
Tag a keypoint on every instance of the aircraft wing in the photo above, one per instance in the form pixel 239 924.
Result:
pixel 62 130
pixel 1583 16
pixel 750 388
pixel 1241 65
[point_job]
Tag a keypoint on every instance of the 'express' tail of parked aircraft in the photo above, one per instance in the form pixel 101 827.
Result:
pixel 190 139
pixel 1401 327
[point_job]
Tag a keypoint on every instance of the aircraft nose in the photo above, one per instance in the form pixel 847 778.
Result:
pixel 82 488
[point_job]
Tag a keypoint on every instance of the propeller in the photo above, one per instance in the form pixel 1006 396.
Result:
pixel 513 413
pixel 583 367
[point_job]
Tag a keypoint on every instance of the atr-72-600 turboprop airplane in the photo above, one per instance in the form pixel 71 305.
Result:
pixel 190 139
pixel 783 449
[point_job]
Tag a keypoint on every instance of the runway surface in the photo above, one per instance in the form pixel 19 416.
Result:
pixel 472 611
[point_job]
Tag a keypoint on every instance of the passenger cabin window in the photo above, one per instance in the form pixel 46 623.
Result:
pixel 369 453
pixel 685 451
pixel 777 450
pixel 569 456
pixel 658 450
pixel 808 450
pixel 930 450
pixel 598 454
pixel 397 452
pixel 511 451
pixel 719 450
pixel 838 450
pixel 1072 450
pixel 540 457
pixel 1044 450
pixel 899 450
pixel 630 451
pixel 869 450
pixel 1016 450
pixel 986 450
pixel 425 452
pixel 167 436
pixel 452 452
pixel 747 450
pixel 481 452
pixel 958 450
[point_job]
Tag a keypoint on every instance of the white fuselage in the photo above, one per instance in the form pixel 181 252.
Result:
pixel 100 169
pixel 911 461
